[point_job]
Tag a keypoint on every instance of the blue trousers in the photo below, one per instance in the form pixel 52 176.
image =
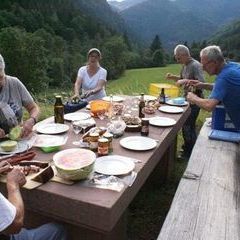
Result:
pixel 50 231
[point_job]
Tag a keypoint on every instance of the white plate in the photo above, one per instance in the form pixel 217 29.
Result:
pixel 115 99
pixel 76 116
pixel 114 165
pixel 162 121
pixel 148 97
pixel 171 109
pixel 170 102
pixel 21 147
pixel 138 143
pixel 52 128
pixel 49 140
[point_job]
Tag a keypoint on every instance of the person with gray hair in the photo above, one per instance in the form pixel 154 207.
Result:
pixel 92 78
pixel 191 69
pixel 225 90
pixel 13 97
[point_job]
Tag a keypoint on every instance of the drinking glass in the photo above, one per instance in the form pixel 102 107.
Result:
pixel 76 129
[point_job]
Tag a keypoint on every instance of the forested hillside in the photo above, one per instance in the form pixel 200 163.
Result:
pixel 180 20
pixel 229 39
pixel 45 42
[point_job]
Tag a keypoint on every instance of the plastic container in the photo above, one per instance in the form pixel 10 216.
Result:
pixel 221 120
pixel 179 100
pixel 98 106
pixel 171 91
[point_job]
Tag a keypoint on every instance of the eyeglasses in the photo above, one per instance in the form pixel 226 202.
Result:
pixel 207 63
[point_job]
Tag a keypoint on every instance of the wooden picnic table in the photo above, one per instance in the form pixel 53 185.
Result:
pixel 206 203
pixel 93 213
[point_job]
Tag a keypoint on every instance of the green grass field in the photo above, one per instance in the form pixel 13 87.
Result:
pixel 149 208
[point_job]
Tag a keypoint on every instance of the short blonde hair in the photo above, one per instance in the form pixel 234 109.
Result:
pixel 97 51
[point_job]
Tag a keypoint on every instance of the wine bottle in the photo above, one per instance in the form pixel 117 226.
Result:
pixel 141 106
pixel 58 110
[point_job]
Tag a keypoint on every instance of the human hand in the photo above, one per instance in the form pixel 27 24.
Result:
pixel 27 127
pixel 16 177
pixel 5 166
pixel 2 133
pixel 191 97
pixel 75 96
pixel 169 76
pixel 88 93
pixel 181 82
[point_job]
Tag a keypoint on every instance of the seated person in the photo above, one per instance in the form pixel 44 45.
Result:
pixel 13 97
pixel 12 212
pixel 91 79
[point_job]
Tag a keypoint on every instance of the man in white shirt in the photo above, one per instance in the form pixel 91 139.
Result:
pixel 12 211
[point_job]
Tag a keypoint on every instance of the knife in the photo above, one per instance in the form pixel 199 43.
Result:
pixel 44 176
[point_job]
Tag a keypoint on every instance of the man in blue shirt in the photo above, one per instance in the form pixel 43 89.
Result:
pixel 226 89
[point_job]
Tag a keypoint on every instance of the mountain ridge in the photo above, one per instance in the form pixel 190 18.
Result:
pixel 180 20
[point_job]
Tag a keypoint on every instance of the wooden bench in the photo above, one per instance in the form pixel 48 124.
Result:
pixel 206 205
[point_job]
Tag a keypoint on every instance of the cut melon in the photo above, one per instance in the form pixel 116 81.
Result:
pixel 8 146
pixel 75 163
pixel 15 133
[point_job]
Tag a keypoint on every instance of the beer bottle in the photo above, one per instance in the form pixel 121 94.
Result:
pixel 162 97
pixel 145 127
pixel 58 110
pixel 141 106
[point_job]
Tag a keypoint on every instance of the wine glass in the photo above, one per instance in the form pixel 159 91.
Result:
pixel 76 129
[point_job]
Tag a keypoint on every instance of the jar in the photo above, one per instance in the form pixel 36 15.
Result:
pixel 102 147
pixel 109 137
pixel 145 127
pixel 93 141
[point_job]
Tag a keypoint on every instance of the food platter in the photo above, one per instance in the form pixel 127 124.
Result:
pixel 76 116
pixel 148 97
pixel 114 165
pixel 52 128
pixel 162 121
pixel 171 102
pixel 49 140
pixel 138 143
pixel 171 109
pixel 22 146
pixel 114 98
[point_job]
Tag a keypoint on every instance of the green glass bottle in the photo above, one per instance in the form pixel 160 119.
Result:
pixel 58 110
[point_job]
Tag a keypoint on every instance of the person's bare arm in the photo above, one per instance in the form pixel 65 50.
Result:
pixel 34 112
pixel 170 76
pixel 2 133
pixel 15 179
pixel 207 104
pixel 198 84
pixel 77 86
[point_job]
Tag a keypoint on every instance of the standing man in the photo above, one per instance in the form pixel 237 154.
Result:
pixel 12 212
pixel 13 97
pixel 191 69
pixel 226 89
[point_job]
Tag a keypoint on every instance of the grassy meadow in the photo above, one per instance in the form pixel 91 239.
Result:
pixel 149 208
